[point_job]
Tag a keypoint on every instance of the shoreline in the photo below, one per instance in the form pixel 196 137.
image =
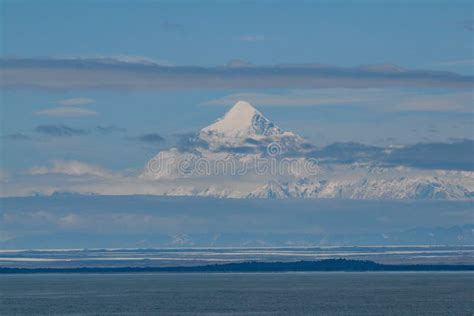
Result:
pixel 329 265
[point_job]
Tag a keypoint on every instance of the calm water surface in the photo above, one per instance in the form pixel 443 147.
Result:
pixel 238 294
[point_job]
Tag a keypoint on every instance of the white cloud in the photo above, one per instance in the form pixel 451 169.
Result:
pixel 37 170
pixel 140 60
pixel 66 112
pixel 75 101
pixel 69 220
pixel 71 168
pixel 121 58
pixel 380 99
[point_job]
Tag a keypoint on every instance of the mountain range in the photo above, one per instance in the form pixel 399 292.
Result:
pixel 246 155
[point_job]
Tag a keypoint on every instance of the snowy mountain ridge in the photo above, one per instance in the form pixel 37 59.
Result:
pixel 230 154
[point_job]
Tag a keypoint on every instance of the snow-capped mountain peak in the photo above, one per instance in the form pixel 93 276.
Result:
pixel 241 121
pixel 245 155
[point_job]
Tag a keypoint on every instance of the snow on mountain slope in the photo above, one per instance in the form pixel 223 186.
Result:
pixel 244 125
pixel 226 161
pixel 240 122
pixel 272 189
pixel 370 189
pixel 399 188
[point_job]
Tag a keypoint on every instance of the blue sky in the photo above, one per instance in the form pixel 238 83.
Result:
pixel 411 34
pixel 426 35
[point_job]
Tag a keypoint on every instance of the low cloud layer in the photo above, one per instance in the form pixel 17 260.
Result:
pixel 85 73
pixel 66 112
pixel 152 138
pixel 468 25
pixel 16 136
pixel 60 130
pixel 388 99
pixel 70 168
pixel 457 155
pixel 110 129
pixel 80 221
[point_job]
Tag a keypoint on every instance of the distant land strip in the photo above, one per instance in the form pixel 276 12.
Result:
pixel 254 266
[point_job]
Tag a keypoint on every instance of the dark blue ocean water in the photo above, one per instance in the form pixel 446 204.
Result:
pixel 238 294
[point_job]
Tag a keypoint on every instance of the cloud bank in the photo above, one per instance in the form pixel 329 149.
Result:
pixel 110 129
pixel 456 155
pixel 16 136
pixel 71 168
pixel 391 99
pixel 150 138
pixel 122 217
pixel 100 73
pixel 60 130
